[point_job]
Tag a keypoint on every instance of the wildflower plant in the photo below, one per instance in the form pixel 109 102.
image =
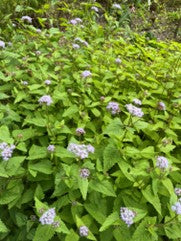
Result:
pixel 118 177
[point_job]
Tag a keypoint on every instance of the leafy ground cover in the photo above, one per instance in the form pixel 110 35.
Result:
pixel 89 129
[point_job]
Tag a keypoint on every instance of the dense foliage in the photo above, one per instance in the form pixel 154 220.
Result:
pixel 89 130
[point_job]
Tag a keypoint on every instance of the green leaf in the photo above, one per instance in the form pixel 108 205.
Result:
pixel 20 96
pixel 23 134
pixel 36 121
pixel 5 134
pixel 110 220
pixel 70 111
pixel 111 156
pixel 104 187
pixel 95 213
pixel 115 128
pixel 151 198
pixel 83 184
pixel 3 228
pixel 143 233
pixel 44 166
pixel 173 231
pixel 37 152
pixel 44 233
pixel 72 236
pixel 122 233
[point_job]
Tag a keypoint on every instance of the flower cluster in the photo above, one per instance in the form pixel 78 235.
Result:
pixel 86 74
pixel 162 162
pixel 127 215
pixel 51 148
pixel 81 41
pixel 80 131
pixel 2 44
pixel 27 18
pixel 80 150
pixel 137 101
pixel 83 231
pixel 75 21
pixel 178 191
pixel 161 106
pixel 6 151
pixel 46 99
pixel 118 61
pixel 47 82
pixel 84 173
pixel 75 46
pixel 133 110
pixel 95 9
pixel 48 217
pixel 25 83
pixel 113 107
pixel 116 6
pixel 177 207
pixel 38 30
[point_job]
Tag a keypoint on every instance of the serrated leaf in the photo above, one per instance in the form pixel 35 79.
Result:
pixel 111 156
pixel 83 184
pixel 115 128
pixel 95 213
pixel 110 220
pixel 104 187
pixel 37 152
pixel 72 236
pixel 44 166
pixel 173 231
pixel 70 111
pixel 151 198
pixel 3 228
pixel 44 233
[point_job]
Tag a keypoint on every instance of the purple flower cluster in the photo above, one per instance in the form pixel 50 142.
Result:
pixel 86 74
pixel 75 21
pixel 177 207
pixel 83 231
pixel 116 6
pixel 75 46
pixel 80 131
pixel 95 9
pixel 113 107
pixel 127 215
pixel 162 162
pixel 48 217
pixel 80 150
pixel 27 18
pixel 84 173
pixel 137 101
pixel 6 151
pixel 118 61
pixel 2 44
pixel 46 99
pixel 161 106
pixel 47 82
pixel 81 41
pixel 25 83
pixel 51 148
pixel 133 110
pixel 178 191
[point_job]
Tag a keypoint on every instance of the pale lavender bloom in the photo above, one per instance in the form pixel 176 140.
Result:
pixel 178 191
pixel 48 217
pixel 47 82
pixel 113 107
pixel 75 21
pixel 90 148
pixel 127 215
pixel 84 173
pixel 86 74
pixel 95 9
pixel 102 98
pixel 80 131
pixel 133 110
pixel 38 52
pixel 116 5
pixel 46 99
pixel 2 44
pixel 27 18
pixel 82 41
pixel 76 46
pixel 25 83
pixel 78 20
pixel 78 39
pixel 56 224
pixel 6 151
pixel 85 43
pixel 137 101
pixel 51 148
pixel 177 207
pixel 83 231
pixel 38 30
pixel 80 150
pixel 161 106
pixel 162 162
pixel 118 61
pixel 10 44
